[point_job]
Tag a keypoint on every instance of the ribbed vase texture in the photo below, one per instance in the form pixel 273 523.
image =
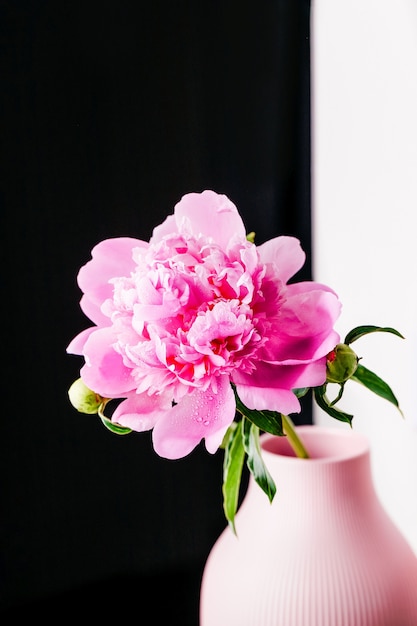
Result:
pixel 324 553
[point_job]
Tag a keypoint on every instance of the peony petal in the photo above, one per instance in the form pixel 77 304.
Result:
pixel 308 285
pixel 111 258
pixel 76 346
pixel 104 371
pixel 285 254
pixel 312 374
pixel 277 376
pixel 304 329
pixel 198 415
pixel 168 226
pixel 93 311
pixel 283 400
pixel 212 215
pixel 141 412
pixel 284 350
pixel 312 308
pixel 269 399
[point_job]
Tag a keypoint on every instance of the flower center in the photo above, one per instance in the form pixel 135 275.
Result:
pixel 186 314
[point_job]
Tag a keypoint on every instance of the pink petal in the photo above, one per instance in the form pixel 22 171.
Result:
pixel 111 258
pixel 270 399
pixel 304 329
pixel 308 285
pixel 277 376
pixel 286 350
pixel 140 412
pixel 279 399
pixel 93 311
pixel 76 346
pixel 285 253
pixel 104 371
pixel 212 215
pixel 201 414
pixel 311 307
pixel 167 227
pixel 312 374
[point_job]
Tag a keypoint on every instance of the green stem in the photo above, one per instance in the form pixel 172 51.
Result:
pixel 293 438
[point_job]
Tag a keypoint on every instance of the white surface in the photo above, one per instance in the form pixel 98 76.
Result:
pixel 364 165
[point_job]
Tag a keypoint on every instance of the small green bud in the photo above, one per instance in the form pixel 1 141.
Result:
pixel 83 399
pixel 342 363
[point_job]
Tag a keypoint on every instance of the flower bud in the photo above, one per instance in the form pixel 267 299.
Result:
pixel 83 399
pixel 342 363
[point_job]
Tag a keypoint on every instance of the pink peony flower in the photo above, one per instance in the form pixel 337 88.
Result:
pixel 178 319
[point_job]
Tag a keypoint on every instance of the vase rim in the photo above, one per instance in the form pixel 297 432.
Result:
pixel 324 444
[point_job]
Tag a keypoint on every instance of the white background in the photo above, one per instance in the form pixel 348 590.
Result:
pixel 364 161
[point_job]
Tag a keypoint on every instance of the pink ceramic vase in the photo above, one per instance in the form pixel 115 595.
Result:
pixel 324 553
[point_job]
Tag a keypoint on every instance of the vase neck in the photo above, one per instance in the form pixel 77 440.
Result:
pixel 340 467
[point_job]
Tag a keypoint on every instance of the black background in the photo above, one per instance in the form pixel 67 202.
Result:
pixel 110 112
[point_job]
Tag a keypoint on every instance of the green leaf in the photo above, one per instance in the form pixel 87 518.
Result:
pixel 301 392
pixel 229 434
pixel 255 461
pixel 234 457
pixel 324 403
pixel 114 428
pixel 339 395
pixel 268 421
pixel 376 384
pixel 360 331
